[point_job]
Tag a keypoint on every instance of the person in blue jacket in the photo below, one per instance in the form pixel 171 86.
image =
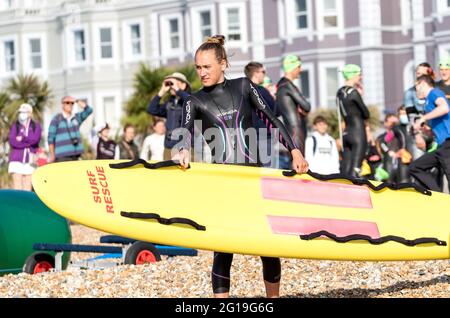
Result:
pixel 179 89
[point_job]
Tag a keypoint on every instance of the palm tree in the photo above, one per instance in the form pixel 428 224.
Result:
pixel 29 89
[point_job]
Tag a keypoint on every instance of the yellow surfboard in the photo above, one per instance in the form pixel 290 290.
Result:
pixel 246 210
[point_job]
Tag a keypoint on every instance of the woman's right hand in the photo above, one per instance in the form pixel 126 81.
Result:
pixel 184 157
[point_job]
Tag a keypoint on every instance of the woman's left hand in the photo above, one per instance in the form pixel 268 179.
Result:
pixel 299 164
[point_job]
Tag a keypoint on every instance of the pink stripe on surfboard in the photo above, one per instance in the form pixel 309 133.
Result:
pixel 316 192
pixel 305 226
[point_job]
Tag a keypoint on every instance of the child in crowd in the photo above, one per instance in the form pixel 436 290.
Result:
pixel 320 150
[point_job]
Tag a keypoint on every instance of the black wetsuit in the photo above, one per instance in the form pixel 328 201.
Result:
pixel 398 172
pixel 354 112
pixel 445 88
pixel 289 100
pixel 228 108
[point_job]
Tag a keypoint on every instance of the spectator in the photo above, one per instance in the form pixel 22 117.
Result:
pixel 437 113
pixel 106 148
pixel 291 104
pixel 127 149
pixel 320 150
pixel 391 145
pixel 255 72
pixel 24 137
pixel 411 101
pixel 154 144
pixel 267 84
pixel 179 89
pixel 444 70
pixel 414 107
pixel 64 138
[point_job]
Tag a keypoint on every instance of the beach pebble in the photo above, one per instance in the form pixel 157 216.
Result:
pixel 183 276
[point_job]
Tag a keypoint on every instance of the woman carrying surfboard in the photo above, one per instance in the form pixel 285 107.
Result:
pixel 224 110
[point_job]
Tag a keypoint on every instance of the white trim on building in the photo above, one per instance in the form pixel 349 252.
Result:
pixel 444 50
pixel 5 70
pixel 172 41
pixel 329 20
pixel 409 73
pixel 106 50
pixel 78 45
pixel 328 93
pixel 373 78
pixel 198 35
pixel 103 100
pixel 310 69
pixel 133 40
pixel 34 53
pixel 234 31
pixel 290 17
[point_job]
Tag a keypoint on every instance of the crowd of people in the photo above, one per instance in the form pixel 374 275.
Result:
pixel 413 147
pixel 238 121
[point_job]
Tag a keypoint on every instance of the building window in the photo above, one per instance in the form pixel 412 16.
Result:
pixel 135 39
pixel 80 46
pixel 106 43
pixel 332 80
pixel 330 14
pixel 36 53
pixel 109 105
pixel 174 34
pixel 304 84
pixel 234 26
pixel 10 56
pixel 301 14
pixel 205 23
pixel 6 4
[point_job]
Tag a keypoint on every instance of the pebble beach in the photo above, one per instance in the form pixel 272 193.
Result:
pixel 190 277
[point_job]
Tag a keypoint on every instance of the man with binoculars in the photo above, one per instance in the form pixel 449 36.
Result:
pixel 64 138
pixel 178 88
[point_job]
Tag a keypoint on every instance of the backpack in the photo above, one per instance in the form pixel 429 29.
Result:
pixel 315 144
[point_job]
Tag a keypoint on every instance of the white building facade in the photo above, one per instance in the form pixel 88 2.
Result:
pixel 91 49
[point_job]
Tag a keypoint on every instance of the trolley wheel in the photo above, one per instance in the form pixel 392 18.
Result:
pixel 39 263
pixel 141 253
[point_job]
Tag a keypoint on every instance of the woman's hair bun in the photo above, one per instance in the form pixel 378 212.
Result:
pixel 219 39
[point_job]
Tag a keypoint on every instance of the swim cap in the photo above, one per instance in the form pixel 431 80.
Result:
pixel 290 63
pixel 381 174
pixel 267 81
pixel 444 63
pixel 350 71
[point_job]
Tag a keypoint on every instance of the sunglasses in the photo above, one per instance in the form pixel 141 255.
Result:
pixel 69 103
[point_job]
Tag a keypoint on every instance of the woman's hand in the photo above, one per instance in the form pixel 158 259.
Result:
pixel 184 157
pixel 299 164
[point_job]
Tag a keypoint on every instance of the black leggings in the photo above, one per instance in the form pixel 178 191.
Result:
pixel 420 169
pixel 220 275
pixel 353 156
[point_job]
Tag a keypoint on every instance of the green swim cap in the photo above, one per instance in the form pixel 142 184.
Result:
pixel 381 174
pixel 444 63
pixel 267 81
pixel 350 71
pixel 290 63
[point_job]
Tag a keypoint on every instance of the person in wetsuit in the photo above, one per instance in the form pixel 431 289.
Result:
pixel 255 72
pixel 444 71
pixel 391 145
pixel 225 107
pixel 291 104
pixel 354 113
